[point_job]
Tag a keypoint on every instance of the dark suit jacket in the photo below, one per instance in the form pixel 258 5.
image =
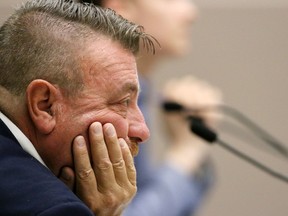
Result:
pixel 27 188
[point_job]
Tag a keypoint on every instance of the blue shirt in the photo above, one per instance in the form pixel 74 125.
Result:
pixel 164 190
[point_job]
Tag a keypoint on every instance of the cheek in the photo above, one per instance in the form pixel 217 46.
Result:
pixel 56 152
pixel 120 124
pixel 121 128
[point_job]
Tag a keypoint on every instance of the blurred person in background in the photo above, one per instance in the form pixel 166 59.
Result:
pixel 178 185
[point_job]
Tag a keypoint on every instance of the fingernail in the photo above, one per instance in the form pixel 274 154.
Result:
pixel 110 131
pixel 122 143
pixel 80 141
pixel 97 128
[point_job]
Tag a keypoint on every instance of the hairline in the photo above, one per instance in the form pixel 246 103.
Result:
pixel 34 11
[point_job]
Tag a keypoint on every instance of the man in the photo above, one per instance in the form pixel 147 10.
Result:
pixel 68 100
pixel 178 186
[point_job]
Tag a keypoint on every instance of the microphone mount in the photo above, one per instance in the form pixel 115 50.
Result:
pixel 198 127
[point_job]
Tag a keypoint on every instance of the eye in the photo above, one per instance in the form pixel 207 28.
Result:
pixel 126 102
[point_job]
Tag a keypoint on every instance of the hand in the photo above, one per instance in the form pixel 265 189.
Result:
pixel 107 183
pixel 195 94
pixel 187 151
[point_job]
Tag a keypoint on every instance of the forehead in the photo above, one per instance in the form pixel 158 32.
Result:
pixel 106 61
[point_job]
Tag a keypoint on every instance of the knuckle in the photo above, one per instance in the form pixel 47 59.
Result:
pixel 129 194
pixel 111 200
pixel 84 174
pixel 119 165
pixel 104 164
pixel 133 191
pixel 134 183
pixel 119 197
pixel 131 167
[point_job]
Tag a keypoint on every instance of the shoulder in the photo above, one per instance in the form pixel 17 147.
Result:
pixel 29 188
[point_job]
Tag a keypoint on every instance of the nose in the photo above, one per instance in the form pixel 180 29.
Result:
pixel 195 11
pixel 137 126
pixel 191 11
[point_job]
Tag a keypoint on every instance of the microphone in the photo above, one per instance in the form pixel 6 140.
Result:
pixel 210 136
pixel 198 127
pixel 171 106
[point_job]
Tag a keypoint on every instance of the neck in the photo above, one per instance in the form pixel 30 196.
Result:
pixel 11 108
pixel 15 110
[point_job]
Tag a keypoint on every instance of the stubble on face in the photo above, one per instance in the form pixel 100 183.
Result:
pixel 112 78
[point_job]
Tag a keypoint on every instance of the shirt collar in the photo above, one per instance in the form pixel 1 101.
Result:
pixel 24 142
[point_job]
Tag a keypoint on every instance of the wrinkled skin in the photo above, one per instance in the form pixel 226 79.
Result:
pixel 89 140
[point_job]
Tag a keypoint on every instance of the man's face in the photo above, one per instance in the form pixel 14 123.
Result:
pixel 110 95
pixel 169 21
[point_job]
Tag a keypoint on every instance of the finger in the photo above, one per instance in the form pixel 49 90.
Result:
pixel 102 165
pixel 115 154
pixel 67 176
pixel 85 178
pixel 129 162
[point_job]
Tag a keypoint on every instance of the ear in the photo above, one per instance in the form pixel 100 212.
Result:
pixel 41 95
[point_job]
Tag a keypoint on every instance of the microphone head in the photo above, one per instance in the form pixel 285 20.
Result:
pixel 195 119
pixel 197 124
pixel 202 131
pixel 169 106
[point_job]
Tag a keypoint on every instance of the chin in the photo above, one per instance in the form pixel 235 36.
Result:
pixel 179 51
pixel 182 49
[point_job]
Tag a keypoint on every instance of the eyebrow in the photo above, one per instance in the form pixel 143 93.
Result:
pixel 131 87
